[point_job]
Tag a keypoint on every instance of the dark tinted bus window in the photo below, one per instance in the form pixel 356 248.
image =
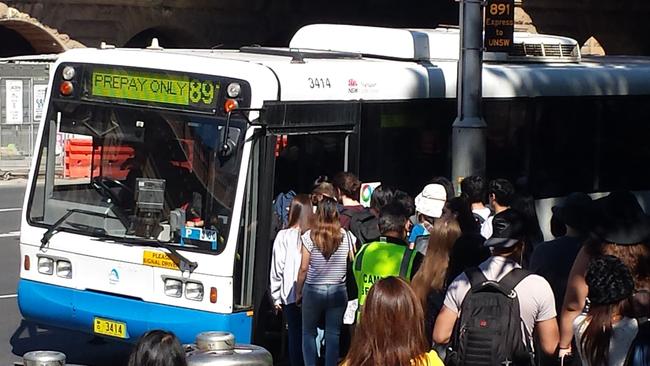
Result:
pixel 624 148
pixel 404 144
pixel 508 136
pixel 565 140
pixel 590 144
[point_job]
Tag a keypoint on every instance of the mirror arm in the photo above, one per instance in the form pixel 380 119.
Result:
pixel 227 148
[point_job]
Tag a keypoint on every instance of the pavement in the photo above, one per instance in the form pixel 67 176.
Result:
pixel 14 168
pixel 19 162
pixel 18 336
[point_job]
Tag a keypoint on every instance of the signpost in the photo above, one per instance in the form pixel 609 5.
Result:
pixel 499 25
pixel 468 139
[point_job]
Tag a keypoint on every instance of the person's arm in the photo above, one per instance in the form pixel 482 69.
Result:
pixel 574 298
pixel 549 335
pixel 302 273
pixel 278 259
pixel 444 326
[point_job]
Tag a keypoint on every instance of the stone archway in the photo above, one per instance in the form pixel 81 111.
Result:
pixel 24 35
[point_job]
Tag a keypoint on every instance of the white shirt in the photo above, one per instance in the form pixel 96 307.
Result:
pixel 486 226
pixel 536 301
pixel 285 264
pixel 623 334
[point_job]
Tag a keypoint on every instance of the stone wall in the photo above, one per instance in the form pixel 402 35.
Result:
pixel 620 27
pixel 23 34
pixel 207 23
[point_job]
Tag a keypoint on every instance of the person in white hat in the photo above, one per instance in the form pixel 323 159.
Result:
pixel 428 207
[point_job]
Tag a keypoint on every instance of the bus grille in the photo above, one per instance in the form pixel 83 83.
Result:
pixel 535 51
pixel 552 50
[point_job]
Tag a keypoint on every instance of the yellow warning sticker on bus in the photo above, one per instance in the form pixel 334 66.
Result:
pixel 158 259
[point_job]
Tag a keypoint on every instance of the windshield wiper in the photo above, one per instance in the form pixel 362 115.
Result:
pixel 55 227
pixel 181 261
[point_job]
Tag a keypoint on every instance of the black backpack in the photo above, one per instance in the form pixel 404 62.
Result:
pixel 490 331
pixel 639 353
pixel 363 224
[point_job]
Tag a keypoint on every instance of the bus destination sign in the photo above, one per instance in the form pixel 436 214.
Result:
pixel 499 25
pixel 165 89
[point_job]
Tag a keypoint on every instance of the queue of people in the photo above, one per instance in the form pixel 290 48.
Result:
pixel 461 298
pixel 462 279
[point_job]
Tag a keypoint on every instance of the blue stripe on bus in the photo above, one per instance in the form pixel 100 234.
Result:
pixel 74 309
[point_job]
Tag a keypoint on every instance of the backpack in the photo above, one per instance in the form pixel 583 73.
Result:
pixel 281 207
pixel 422 243
pixel 363 224
pixel 639 352
pixel 490 331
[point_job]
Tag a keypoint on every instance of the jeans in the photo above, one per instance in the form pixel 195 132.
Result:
pixel 319 300
pixel 294 323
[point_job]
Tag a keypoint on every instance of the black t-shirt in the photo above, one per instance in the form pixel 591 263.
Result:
pixel 553 261
pixel 468 251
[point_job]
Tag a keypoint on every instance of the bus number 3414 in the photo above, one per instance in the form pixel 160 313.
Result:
pixel 317 83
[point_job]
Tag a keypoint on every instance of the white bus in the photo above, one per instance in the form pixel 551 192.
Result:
pixel 168 225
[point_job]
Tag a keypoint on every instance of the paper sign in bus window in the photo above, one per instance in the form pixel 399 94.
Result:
pixel 365 193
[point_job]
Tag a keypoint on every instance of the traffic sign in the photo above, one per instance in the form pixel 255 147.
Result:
pixel 499 25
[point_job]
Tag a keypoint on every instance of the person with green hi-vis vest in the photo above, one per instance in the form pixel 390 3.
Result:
pixel 389 255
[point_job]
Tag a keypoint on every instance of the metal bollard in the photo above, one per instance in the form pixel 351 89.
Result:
pixel 219 349
pixel 44 358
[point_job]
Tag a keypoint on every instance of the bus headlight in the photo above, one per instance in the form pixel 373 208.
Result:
pixel 173 288
pixel 45 265
pixel 64 269
pixel 233 90
pixel 68 73
pixel 194 291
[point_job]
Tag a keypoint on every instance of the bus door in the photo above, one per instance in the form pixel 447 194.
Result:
pixel 302 141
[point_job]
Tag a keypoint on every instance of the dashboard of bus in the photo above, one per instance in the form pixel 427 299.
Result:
pixel 125 172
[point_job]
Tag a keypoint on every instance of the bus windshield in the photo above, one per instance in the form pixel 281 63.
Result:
pixel 146 173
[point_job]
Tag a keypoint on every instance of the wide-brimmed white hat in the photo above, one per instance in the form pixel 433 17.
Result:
pixel 431 200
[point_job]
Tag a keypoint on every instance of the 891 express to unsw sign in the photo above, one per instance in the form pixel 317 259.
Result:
pixel 499 25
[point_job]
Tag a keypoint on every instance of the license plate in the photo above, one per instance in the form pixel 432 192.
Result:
pixel 109 328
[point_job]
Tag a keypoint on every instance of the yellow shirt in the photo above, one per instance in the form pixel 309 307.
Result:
pixel 432 359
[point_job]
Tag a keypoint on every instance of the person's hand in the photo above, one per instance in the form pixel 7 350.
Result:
pixel 565 356
pixel 277 309
pixel 299 299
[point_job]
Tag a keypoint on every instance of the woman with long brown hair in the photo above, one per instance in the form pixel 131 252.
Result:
pixel 285 265
pixel 430 282
pixel 621 229
pixel 391 329
pixel 321 280
pixel 605 332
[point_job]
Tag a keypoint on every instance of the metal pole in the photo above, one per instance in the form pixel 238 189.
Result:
pixel 468 141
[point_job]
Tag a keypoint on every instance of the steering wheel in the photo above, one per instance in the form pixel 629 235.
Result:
pixel 100 182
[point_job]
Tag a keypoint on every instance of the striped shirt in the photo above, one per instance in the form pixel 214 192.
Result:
pixel 327 271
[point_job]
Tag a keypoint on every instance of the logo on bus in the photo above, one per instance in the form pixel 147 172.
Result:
pixel 113 277
pixel 352 86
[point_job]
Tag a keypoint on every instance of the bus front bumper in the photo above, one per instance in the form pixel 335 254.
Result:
pixel 76 310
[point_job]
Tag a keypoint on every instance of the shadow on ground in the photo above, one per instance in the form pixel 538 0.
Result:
pixel 79 348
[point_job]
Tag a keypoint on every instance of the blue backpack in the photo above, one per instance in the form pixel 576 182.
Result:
pixel 281 207
pixel 639 353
